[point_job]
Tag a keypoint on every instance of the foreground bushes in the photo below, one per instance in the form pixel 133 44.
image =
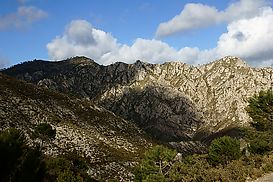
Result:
pixel 20 162
pixel 224 161
pixel 198 168
pixel 69 167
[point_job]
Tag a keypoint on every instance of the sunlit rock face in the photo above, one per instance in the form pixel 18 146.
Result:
pixel 171 101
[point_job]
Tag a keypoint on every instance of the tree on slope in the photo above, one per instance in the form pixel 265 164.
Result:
pixel 155 164
pixel 260 109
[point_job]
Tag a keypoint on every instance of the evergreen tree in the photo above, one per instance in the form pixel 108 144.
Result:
pixel 260 109
pixel 155 164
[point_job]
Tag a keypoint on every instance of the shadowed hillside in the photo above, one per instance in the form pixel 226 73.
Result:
pixel 110 144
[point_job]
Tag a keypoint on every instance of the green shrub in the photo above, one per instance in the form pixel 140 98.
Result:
pixel 192 168
pixel 44 131
pixel 259 146
pixel 69 167
pixel 155 164
pixel 68 175
pixel 155 178
pixel 224 149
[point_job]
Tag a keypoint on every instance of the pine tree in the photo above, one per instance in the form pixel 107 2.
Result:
pixel 260 109
pixel 155 164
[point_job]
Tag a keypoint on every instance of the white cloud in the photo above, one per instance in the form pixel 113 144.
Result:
pixel 80 38
pixel 153 51
pixel 196 56
pixel 249 38
pixel 25 15
pixel 195 16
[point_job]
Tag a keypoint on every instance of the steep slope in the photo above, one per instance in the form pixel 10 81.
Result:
pixel 111 144
pixel 161 111
pixel 172 101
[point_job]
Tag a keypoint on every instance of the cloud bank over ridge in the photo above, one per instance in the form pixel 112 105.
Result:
pixel 248 36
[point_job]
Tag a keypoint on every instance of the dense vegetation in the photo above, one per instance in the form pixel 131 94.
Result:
pixel 21 162
pixel 228 159
pixel 260 109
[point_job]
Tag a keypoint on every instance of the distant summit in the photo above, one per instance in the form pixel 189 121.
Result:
pixel 229 60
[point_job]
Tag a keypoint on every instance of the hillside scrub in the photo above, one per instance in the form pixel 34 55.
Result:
pixel 21 162
pixel 196 168
pixel 225 161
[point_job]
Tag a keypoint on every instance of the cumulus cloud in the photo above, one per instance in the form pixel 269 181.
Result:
pixel 80 38
pixel 249 38
pixel 195 16
pixel 25 15
pixel 153 51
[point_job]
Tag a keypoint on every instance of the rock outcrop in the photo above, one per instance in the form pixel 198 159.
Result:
pixel 171 101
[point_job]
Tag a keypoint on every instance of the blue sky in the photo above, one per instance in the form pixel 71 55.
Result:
pixel 195 32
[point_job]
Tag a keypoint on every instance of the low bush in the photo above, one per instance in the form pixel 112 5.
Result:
pixel 224 149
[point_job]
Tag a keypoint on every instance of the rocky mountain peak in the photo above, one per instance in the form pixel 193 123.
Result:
pixel 80 60
pixel 228 61
pixel 171 100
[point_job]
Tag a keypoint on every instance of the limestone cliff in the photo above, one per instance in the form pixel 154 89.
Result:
pixel 171 101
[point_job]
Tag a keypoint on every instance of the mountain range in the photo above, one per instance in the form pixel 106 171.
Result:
pixel 113 113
